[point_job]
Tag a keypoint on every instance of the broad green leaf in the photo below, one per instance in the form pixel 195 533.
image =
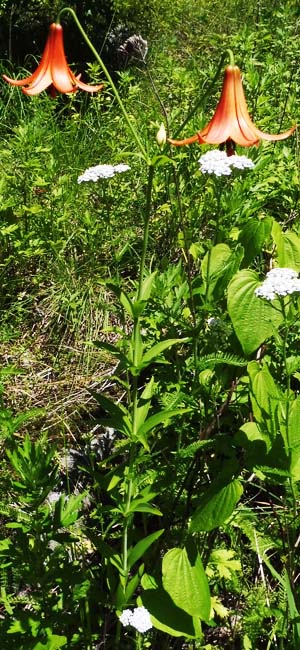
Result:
pixel 54 642
pixel 218 266
pixel 292 364
pixel 148 582
pixel 268 402
pixel 142 546
pixel 222 560
pixel 216 506
pixel 184 579
pixel 254 442
pixel 253 319
pixel 253 236
pixel 293 438
pixel 168 618
pixel 293 433
pixel 288 250
pixel 218 608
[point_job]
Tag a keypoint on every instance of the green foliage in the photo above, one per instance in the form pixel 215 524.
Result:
pixel 192 507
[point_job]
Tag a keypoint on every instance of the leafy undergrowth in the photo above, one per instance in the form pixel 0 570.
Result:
pixel 150 455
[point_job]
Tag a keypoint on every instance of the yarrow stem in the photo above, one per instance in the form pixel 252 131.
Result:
pixel 105 70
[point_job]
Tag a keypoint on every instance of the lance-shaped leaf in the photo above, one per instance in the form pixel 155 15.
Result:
pixel 141 547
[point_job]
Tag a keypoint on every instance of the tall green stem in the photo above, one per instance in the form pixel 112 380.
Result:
pixel 218 192
pixel 109 78
pixel 146 229
pixel 287 417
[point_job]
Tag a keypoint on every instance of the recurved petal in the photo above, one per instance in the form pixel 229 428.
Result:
pixel 38 86
pixel 244 117
pixel 42 72
pixel 278 136
pixel 18 82
pixel 89 88
pixel 180 143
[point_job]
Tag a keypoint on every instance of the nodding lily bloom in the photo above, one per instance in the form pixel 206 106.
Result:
pixel 231 121
pixel 53 70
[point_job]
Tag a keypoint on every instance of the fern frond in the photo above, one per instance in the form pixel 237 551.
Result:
pixel 211 360
pixel 191 450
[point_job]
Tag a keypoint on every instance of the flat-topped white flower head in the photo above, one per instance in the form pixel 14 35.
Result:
pixel 139 618
pixel 279 282
pixel 220 164
pixel 102 171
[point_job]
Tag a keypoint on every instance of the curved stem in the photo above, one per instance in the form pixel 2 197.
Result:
pixel 109 78
pixel 231 57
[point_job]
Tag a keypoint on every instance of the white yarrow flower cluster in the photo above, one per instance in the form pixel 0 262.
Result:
pixel 218 163
pixel 102 171
pixel 139 618
pixel 279 282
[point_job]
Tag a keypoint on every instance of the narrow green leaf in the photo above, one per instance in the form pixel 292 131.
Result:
pixel 147 286
pixel 158 348
pixel 126 303
pixel 158 418
pixel 144 403
pixel 141 547
pixel 140 506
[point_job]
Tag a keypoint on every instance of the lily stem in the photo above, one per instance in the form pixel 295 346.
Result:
pixel 108 76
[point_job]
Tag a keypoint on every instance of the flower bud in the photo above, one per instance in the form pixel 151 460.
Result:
pixel 161 136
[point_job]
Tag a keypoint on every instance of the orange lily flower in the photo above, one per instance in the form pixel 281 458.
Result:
pixel 231 121
pixel 53 70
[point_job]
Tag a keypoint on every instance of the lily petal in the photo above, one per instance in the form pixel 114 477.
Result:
pixel 53 71
pixel 42 68
pixel 60 72
pixel 231 120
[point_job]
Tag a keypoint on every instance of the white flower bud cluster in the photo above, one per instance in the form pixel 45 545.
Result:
pixel 218 163
pixel 139 618
pixel 102 171
pixel 278 282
